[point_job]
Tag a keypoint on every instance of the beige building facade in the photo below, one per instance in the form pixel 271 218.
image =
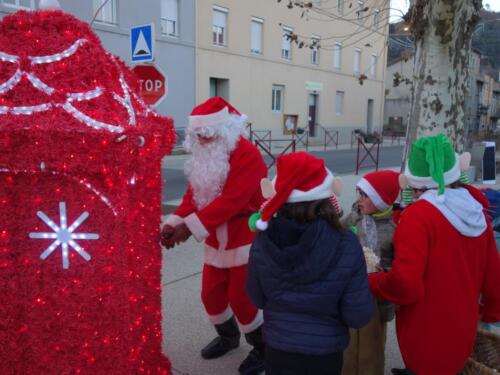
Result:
pixel 243 55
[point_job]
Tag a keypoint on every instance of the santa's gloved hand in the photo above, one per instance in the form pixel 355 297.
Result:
pixel 167 231
pixel 166 236
pixel 167 243
pixel 181 234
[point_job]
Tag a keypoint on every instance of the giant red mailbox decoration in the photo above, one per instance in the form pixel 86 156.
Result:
pixel 79 205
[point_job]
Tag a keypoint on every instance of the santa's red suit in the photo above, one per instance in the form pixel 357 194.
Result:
pixel 223 226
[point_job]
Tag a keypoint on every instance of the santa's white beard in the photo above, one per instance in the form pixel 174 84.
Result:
pixel 207 169
pixel 208 166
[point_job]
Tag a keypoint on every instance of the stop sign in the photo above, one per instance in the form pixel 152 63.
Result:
pixel 153 83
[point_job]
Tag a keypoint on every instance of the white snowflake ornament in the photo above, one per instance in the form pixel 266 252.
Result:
pixel 63 235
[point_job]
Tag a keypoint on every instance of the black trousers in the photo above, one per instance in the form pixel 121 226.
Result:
pixel 278 362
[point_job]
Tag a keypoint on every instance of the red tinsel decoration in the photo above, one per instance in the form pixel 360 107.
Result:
pixel 78 147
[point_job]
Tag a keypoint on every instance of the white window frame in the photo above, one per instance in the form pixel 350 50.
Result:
pixel 286 54
pixel 277 107
pixel 373 65
pixel 257 20
pixel 216 30
pixel 339 102
pixel 376 18
pixel 169 21
pixel 337 49
pixel 315 50
pixel 103 17
pixel 17 4
pixel 356 69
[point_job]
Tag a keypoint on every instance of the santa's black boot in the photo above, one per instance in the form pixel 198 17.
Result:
pixel 253 364
pixel 228 339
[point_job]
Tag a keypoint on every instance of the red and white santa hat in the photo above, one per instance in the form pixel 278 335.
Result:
pixel 300 177
pixel 382 187
pixel 212 113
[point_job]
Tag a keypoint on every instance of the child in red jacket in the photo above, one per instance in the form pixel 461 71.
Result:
pixel 445 258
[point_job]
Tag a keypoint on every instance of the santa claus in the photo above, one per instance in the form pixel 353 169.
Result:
pixel 224 174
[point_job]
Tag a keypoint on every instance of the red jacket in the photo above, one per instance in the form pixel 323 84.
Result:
pixel 437 278
pixel 223 224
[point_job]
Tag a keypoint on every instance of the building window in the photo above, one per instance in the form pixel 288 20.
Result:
pixel 472 62
pixel 376 18
pixel 219 87
pixel 107 12
pixel 170 17
pixel 359 12
pixel 256 35
pixel 357 61
pixel 337 51
pixel 219 29
pixel 277 98
pixel 23 4
pixel 373 66
pixel 339 103
pixel 315 50
pixel 340 7
pixel 286 43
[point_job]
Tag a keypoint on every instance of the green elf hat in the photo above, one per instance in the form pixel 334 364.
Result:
pixel 433 164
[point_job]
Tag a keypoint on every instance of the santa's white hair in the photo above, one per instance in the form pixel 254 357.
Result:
pixel 208 166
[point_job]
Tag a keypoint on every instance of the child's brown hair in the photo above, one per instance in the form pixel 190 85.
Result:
pixel 304 212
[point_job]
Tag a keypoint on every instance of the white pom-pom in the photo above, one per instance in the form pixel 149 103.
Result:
pixel 440 198
pixel 244 118
pixel 261 225
pixel 49 4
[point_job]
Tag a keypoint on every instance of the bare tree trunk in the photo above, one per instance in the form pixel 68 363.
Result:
pixel 442 30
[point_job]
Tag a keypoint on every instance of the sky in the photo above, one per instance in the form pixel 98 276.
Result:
pixel 403 6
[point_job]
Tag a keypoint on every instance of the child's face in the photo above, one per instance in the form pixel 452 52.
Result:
pixel 365 204
pixel 416 193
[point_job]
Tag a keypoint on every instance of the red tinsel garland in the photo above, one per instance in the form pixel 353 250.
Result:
pixel 100 315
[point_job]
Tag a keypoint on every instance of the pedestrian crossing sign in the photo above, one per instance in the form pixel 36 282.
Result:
pixel 142 43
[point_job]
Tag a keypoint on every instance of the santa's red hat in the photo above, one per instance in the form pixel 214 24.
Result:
pixel 212 113
pixel 382 187
pixel 300 177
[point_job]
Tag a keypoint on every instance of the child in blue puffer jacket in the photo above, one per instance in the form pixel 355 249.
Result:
pixel 305 271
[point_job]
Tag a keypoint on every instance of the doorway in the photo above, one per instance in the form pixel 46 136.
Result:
pixel 369 117
pixel 313 104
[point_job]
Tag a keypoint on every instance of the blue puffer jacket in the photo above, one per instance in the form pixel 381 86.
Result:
pixel 311 282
